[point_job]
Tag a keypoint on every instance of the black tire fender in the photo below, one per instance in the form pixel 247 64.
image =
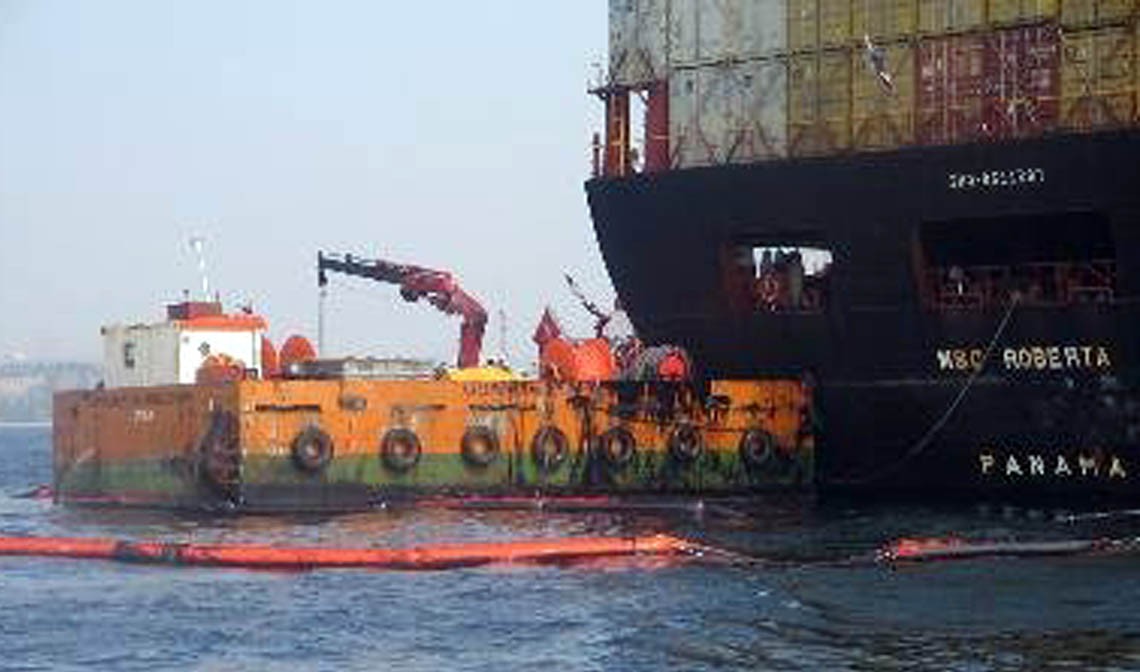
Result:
pixel 480 446
pixel 686 444
pixel 549 448
pixel 220 451
pixel 312 449
pixel 757 448
pixel 617 447
pixel 400 449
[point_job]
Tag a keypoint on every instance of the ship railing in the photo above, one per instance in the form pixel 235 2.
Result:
pixel 1041 284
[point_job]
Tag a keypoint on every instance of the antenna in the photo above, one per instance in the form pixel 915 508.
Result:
pixel 503 336
pixel 322 299
pixel 198 245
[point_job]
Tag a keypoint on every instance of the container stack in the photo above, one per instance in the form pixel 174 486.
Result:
pixel 755 80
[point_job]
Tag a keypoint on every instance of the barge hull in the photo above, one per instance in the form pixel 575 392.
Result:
pixel 250 446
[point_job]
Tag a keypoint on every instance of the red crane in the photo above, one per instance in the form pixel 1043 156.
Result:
pixel 438 287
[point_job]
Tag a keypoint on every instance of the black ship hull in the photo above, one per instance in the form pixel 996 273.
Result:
pixel 1016 394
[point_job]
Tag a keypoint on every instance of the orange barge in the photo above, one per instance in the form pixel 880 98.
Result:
pixel 349 444
pixel 200 412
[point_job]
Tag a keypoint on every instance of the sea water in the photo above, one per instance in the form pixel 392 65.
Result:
pixel 811 598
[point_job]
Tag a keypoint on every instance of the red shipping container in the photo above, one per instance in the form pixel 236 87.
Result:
pixel 949 96
pixel 1002 84
pixel 1023 81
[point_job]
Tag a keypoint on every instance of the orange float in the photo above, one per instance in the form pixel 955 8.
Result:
pixel 590 360
pixel 295 349
pixel 270 366
pixel 446 556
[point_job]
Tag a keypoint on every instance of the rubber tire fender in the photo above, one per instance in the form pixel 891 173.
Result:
pixel 480 446
pixel 312 450
pixel 617 447
pixel 549 449
pixel 757 448
pixel 685 444
pixel 220 452
pixel 400 449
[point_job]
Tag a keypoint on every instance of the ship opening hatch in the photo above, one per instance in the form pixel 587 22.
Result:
pixel 1057 259
pixel 778 277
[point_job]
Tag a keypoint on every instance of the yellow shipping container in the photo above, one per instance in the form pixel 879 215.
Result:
pixel 816 23
pixel 882 104
pixel 819 103
pixel 883 19
pixel 936 17
pixel 1088 12
pixel 1022 11
pixel 1098 78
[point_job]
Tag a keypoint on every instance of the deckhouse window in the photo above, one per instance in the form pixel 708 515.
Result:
pixel 1061 259
pixel 129 350
pixel 778 278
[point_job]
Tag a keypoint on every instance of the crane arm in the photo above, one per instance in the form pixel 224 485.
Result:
pixel 439 288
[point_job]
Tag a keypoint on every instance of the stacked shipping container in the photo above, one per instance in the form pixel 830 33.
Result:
pixel 727 101
pixel 753 80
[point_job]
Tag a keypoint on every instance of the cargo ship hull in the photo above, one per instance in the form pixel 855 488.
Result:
pixel 918 387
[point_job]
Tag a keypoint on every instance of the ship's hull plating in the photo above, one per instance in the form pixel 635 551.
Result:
pixel 901 406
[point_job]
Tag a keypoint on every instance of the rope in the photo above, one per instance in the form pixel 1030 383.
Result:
pixel 924 442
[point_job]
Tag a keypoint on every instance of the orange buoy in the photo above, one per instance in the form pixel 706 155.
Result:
pixel 673 366
pixel 220 368
pixel 295 349
pixel 270 366
pixel 591 360
pixel 298 558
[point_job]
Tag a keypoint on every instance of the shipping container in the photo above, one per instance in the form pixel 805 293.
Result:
pixel 709 31
pixel 937 17
pixel 997 85
pixel 1023 82
pixel 1022 11
pixel 730 113
pixel 882 103
pixel 638 39
pixel 950 83
pixel 1098 80
pixel 813 24
pixel 1083 13
pixel 819 102
pixel 883 19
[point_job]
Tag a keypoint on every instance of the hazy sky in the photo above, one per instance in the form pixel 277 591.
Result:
pixel 452 134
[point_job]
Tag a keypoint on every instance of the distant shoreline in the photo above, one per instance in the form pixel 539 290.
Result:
pixel 28 423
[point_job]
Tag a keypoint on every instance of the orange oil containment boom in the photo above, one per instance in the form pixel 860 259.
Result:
pixel 954 548
pixel 301 558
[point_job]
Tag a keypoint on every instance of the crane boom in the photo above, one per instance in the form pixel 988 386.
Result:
pixel 438 287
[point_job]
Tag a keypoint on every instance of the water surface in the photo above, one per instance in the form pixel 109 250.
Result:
pixel 816 602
